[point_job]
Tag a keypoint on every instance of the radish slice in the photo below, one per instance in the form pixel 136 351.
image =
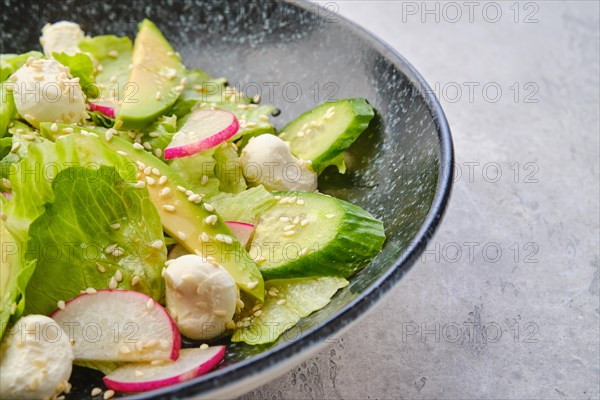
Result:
pixel 119 325
pixel 241 230
pixel 133 378
pixel 105 107
pixel 203 130
pixel 7 195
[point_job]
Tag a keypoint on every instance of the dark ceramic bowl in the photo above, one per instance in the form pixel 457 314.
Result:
pixel 296 55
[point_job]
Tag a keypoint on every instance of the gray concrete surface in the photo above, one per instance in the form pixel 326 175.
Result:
pixel 505 304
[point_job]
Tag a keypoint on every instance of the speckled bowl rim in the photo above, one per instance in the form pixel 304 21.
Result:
pixel 221 380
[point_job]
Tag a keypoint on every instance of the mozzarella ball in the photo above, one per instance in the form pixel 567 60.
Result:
pixel 267 160
pixel 36 360
pixel 61 37
pixel 201 296
pixel 45 91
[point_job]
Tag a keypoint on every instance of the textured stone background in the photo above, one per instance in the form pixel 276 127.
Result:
pixel 506 302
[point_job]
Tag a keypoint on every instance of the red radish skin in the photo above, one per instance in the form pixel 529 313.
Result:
pixel 192 363
pixel 106 110
pixel 203 130
pixel 241 230
pixel 7 195
pixel 176 335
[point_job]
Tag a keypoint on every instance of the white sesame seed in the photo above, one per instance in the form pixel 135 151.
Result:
pixel 115 226
pixel 139 373
pixel 90 291
pixel 154 134
pixel 138 146
pixel 140 185
pixel 296 220
pixel 135 280
pixel 300 202
pixel 303 251
pixel 54 127
pixel 118 252
pixel 300 134
pixel 29 137
pixel 181 235
pixel 168 207
pixel 264 117
pixel 100 268
pixel 113 54
pixel 209 207
pixel 155 171
pixel 158 95
pixel 258 313
pixel 162 180
pixel 284 219
pixel 150 180
pixel 329 216
pixel 109 394
pixel 121 153
pixel 211 219
pixel 15 147
pixel 281 302
pixel 165 192
pixel 252 285
pixel 204 180
pixel 108 135
pixel 158 153
pixel 188 193
pixel 147 170
pixel 118 124
pixel 288 228
pixel 13 308
pixel 112 283
pixel 96 392
pixel 204 346
pixel 150 343
pixel 289 233
pixel 149 304
pixel 157 244
pixel 119 275
pixel 147 146
pixel 60 304
pixel 204 237
pixel 181 189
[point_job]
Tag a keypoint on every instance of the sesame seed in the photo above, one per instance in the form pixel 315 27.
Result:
pixel 154 134
pixel 303 251
pixel 54 127
pixel 115 226
pixel 181 235
pixel 204 346
pixel 204 237
pixel 284 219
pixel 13 308
pixel 264 117
pixel 147 170
pixel 181 189
pixel 300 202
pixel 91 291
pixel 211 219
pixel 96 391
pixel 329 216
pixel 273 293
pixel 100 267
pixel 150 343
pixel 113 54
pixel 149 304
pixel 60 304
pixel 188 193
pixel 162 180
pixel 168 207
pixel 147 146
pixel 119 275
pixel 112 283
pixel 155 171
pixel 108 135
pixel 158 95
pixel 204 180
pixel 118 253
pixel 257 313
pixel 296 220
pixel 150 180
pixel 135 280
pixel 288 227
pixel 109 394
pixel 224 238
pixel 281 302
pixel 15 147
pixel 157 244
pixel 165 192
pixel 29 137
pixel 139 373
pixel 289 233
pixel 140 185
pixel 252 285
pixel 300 134
pixel 158 153
pixel 138 146
pixel 118 124
pixel 121 153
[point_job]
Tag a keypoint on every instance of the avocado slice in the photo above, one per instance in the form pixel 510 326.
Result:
pixel 183 217
pixel 154 78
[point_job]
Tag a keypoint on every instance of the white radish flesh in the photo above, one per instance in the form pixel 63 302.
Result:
pixel 119 325
pixel 241 230
pixel 133 378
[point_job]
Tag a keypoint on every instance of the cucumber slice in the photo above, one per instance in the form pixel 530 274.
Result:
pixel 311 234
pixel 323 133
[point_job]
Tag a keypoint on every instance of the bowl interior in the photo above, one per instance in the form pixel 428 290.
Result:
pixel 295 57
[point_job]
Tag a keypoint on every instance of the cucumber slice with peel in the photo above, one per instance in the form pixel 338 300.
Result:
pixel 311 234
pixel 322 134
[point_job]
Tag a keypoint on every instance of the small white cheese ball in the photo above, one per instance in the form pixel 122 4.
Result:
pixel 45 91
pixel 61 37
pixel 36 360
pixel 267 160
pixel 201 296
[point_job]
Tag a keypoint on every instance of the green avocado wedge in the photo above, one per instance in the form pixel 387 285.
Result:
pixel 154 78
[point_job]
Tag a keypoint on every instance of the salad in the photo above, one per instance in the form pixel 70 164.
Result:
pixel 143 202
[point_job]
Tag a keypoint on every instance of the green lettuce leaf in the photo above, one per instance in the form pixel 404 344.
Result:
pixel 288 301
pixel 9 63
pixel 198 171
pixel 99 119
pixel 74 239
pixel 113 55
pixel 255 201
pixel 160 133
pixel 8 111
pixel 199 88
pixel 82 67
pixel 228 169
